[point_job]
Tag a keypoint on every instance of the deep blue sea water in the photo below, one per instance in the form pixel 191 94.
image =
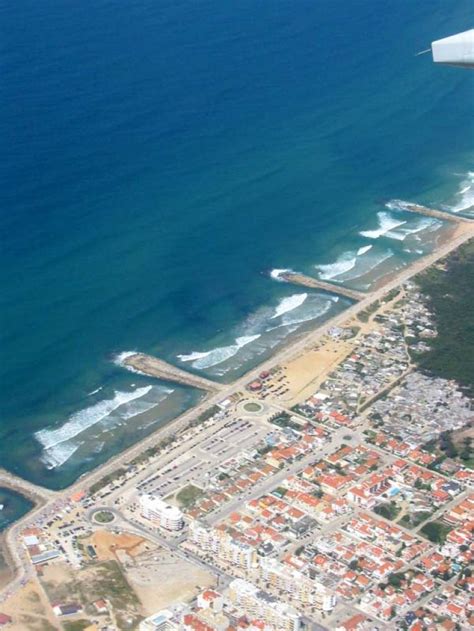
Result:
pixel 160 157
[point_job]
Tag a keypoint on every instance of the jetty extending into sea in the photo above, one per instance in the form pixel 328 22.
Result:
pixel 432 212
pixel 296 278
pixel 154 367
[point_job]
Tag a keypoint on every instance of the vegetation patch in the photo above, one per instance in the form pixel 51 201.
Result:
pixel 412 520
pixel 253 406
pixel 365 314
pixel 387 510
pixel 283 419
pixel 453 444
pixel 76 625
pixel 435 531
pixel 97 486
pixel 104 517
pixel 188 495
pixel 450 294
pixel 112 585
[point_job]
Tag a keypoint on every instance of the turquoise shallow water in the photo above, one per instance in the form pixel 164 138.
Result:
pixel 161 158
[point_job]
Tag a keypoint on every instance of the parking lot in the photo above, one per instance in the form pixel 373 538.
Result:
pixel 197 464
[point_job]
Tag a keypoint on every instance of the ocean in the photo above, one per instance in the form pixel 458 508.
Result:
pixel 163 160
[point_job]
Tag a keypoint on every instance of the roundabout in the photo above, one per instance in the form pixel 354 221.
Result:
pixel 252 408
pixel 102 516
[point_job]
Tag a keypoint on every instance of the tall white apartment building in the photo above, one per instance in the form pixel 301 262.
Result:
pixel 260 605
pixel 159 512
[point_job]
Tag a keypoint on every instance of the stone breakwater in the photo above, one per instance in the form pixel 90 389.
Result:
pixel 432 212
pixel 296 278
pixel 154 367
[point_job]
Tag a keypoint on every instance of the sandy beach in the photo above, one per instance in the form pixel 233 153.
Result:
pixel 454 235
pixel 304 358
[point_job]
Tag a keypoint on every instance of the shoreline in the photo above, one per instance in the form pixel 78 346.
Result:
pixel 455 236
pixel 448 233
pixel 449 240
pixel 8 563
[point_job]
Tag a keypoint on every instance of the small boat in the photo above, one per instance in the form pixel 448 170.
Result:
pixel 2 506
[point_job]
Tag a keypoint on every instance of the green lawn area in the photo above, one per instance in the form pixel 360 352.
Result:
pixel 76 625
pixel 435 531
pixel 104 516
pixel 188 495
pixel 251 406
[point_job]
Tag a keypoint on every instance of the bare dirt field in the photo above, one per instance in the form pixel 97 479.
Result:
pixel 161 578
pixel 29 610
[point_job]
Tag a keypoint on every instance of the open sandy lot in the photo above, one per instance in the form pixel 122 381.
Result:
pixel 161 578
pixel 29 610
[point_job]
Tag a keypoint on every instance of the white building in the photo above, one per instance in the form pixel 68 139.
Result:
pixel 161 513
pixel 258 604
pixel 160 621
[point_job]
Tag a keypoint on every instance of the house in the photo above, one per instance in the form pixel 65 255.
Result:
pixel 100 606
pixel 356 623
pixel 67 610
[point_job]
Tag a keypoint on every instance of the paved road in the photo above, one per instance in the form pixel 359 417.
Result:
pixel 21 564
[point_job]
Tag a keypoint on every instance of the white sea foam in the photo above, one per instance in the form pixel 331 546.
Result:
pixel 344 263
pixel 425 224
pixel 398 204
pixel 82 420
pixel 288 304
pixel 120 361
pixel 465 195
pixel 135 407
pixel 59 455
pixel 312 312
pixel 89 394
pixel 194 356
pixel 218 355
pixel 387 223
pixel 121 357
pixel 61 444
pixel 276 274
pixel 373 261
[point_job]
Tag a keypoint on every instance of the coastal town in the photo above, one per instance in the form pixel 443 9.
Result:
pixel 331 490
pixel 237 316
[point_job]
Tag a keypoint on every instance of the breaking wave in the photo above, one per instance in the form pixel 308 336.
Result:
pixel 59 455
pixel 374 261
pixel 89 394
pixel 387 223
pixel 465 195
pixel 344 263
pixel 288 304
pixel 217 355
pixel 311 313
pixel 59 444
pixel 119 360
pixel 262 331
pixel 350 267
pixel 276 274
